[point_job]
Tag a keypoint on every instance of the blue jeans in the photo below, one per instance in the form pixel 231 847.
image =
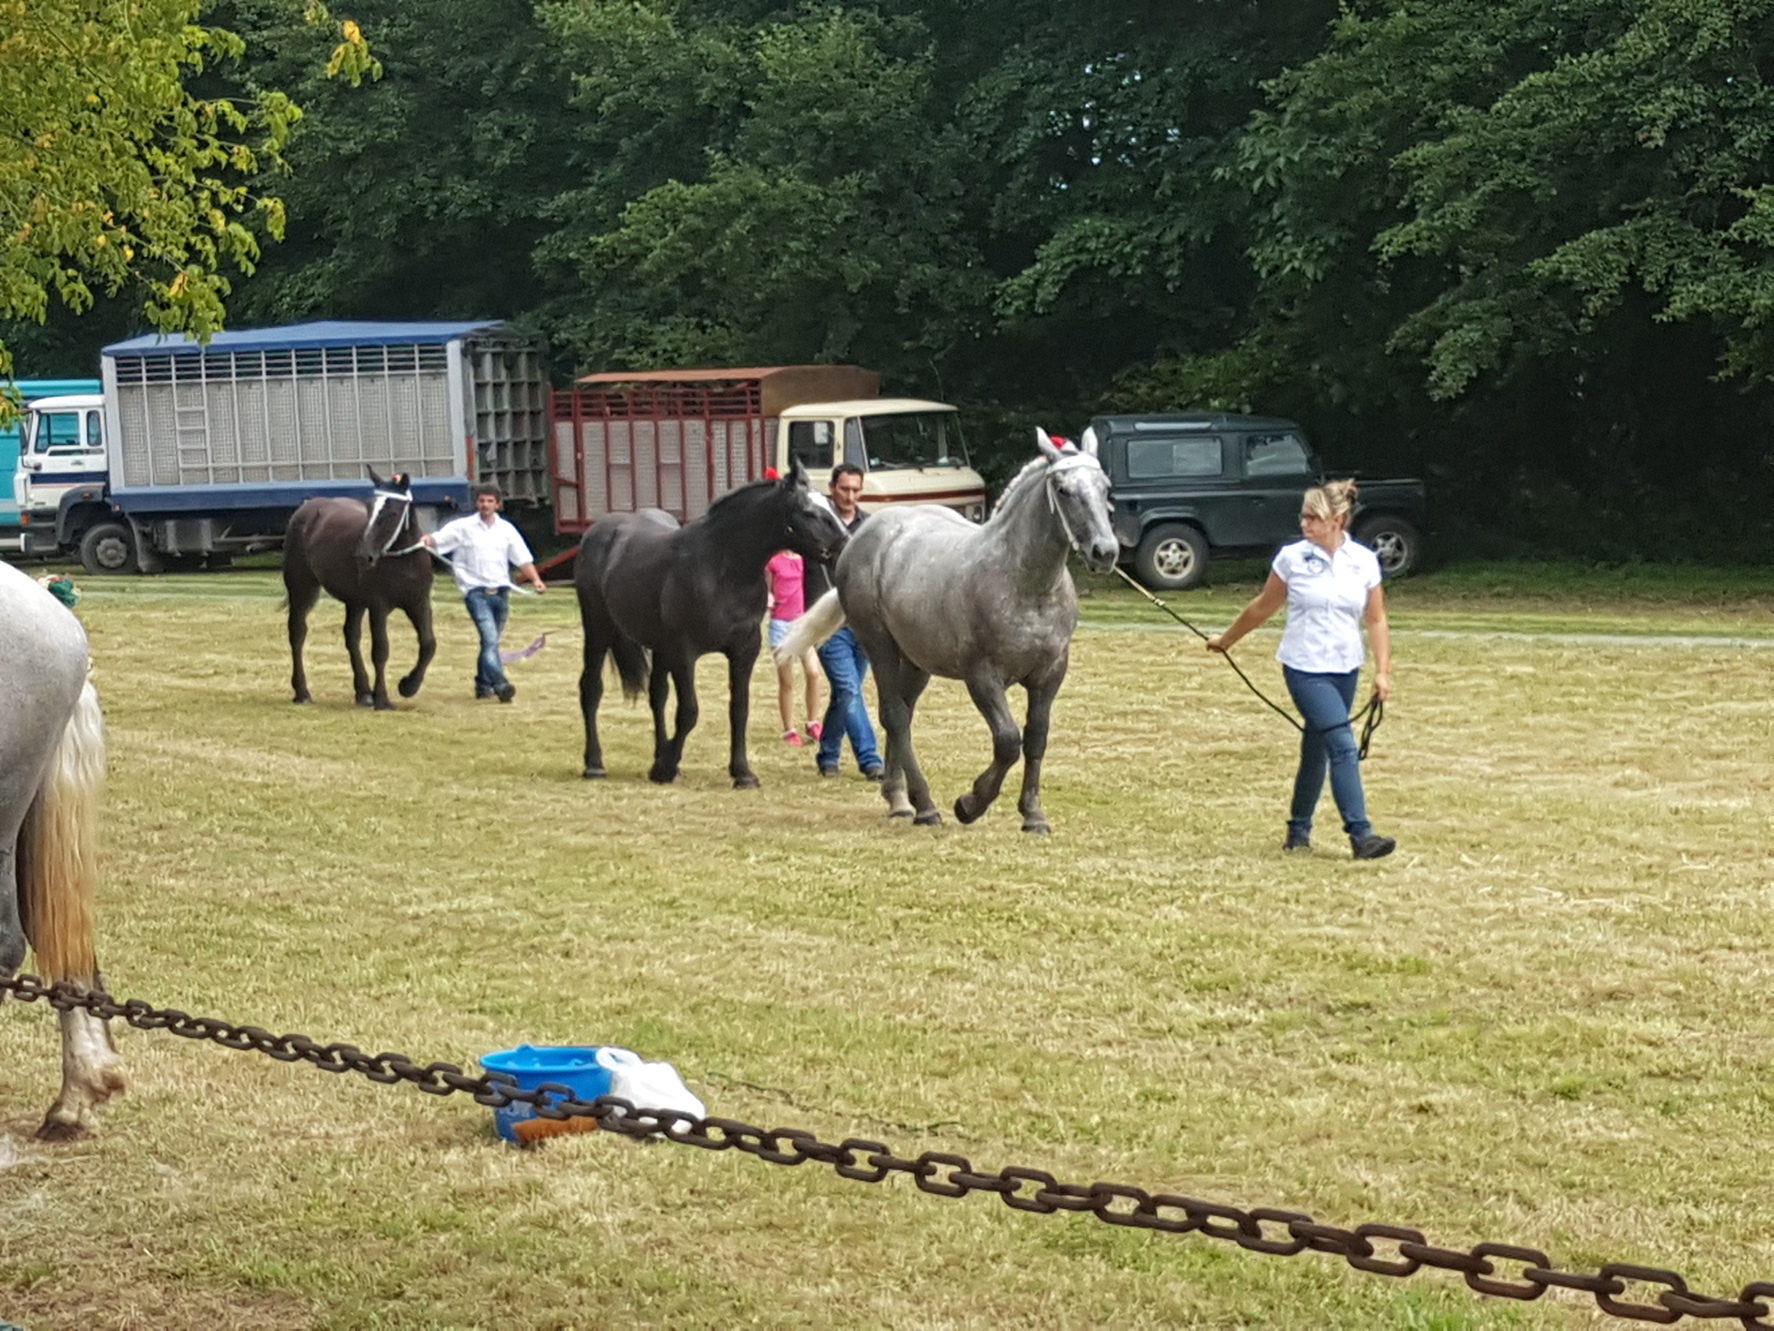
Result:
pixel 489 610
pixel 1324 701
pixel 846 714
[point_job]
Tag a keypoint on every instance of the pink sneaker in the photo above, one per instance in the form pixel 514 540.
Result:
pixel 792 739
pixel 815 731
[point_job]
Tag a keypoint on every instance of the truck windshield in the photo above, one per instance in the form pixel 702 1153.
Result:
pixel 914 439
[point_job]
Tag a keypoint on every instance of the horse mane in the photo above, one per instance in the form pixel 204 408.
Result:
pixel 739 501
pixel 1037 463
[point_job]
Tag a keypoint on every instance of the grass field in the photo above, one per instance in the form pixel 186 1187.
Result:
pixel 1544 1021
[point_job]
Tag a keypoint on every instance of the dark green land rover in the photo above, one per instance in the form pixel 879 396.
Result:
pixel 1193 485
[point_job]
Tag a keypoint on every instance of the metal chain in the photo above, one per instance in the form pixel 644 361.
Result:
pixel 1387 1250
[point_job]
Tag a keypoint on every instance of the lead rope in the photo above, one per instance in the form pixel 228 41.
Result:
pixel 1370 715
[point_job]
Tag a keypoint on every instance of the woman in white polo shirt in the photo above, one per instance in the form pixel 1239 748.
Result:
pixel 1330 586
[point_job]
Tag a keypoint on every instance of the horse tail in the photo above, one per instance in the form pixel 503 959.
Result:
pixel 631 664
pixel 58 849
pixel 825 618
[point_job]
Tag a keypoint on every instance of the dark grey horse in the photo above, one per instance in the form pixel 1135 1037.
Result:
pixel 52 762
pixel 369 557
pixel 928 593
pixel 680 594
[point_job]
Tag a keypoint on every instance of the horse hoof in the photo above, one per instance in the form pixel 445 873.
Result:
pixel 408 687
pixel 930 819
pixel 747 782
pixel 594 774
pixel 366 700
pixel 61 1130
pixel 961 814
pixel 301 698
pixel 660 777
pixel 1041 828
pixel 899 813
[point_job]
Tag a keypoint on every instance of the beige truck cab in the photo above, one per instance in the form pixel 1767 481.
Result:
pixel 910 451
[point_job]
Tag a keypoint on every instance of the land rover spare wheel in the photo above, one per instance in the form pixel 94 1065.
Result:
pixel 1172 557
pixel 108 547
pixel 1393 540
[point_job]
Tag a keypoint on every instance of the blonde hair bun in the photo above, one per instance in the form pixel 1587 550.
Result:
pixel 1333 500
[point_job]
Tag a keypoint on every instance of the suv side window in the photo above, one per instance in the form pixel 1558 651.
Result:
pixel 1275 455
pixel 1190 455
pixel 811 443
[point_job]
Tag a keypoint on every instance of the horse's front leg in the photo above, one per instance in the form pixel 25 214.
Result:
pixel 91 1074
pixel 740 662
pixel 1041 695
pixel 379 657
pixel 420 614
pixel 988 695
pixel 360 678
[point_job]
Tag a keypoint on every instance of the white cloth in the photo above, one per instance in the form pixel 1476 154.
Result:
pixel 1326 598
pixel 482 554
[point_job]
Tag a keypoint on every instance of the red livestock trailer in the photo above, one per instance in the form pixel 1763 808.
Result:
pixel 677 439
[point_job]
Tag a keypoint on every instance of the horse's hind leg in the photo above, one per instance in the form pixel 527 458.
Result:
pixel 420 613
pixel 668 753
pixel 57 881
pixel 379 656
pixel 591 693
pixel 360 679
pixel 988 695
pixel 900 683
pixel 91 1074
pixel 301 594
pixel 1041 695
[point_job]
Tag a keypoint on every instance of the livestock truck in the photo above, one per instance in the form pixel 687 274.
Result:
pixel 679 439
pixel 195 453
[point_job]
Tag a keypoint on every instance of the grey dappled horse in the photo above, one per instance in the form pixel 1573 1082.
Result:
pixel 369 557
pixel 929 593
pixel 52 762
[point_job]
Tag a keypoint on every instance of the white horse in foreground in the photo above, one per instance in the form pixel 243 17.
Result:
pixel 52 762
pixel 929 593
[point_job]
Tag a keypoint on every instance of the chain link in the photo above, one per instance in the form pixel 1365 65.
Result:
pixel 1398 1251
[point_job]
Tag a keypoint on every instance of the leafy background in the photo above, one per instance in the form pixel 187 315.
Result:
pixel 1518 247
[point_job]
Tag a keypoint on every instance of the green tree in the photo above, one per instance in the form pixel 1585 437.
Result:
pixel 114 174
pixel 1519 242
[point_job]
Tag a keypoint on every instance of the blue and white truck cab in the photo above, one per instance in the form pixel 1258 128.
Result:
pixel 63 436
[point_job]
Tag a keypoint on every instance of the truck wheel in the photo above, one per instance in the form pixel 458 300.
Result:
pixel 1172 557
pixel 1393 540
pixel 108 548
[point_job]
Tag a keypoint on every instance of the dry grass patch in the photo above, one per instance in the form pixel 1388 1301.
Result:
pixel 1541 1022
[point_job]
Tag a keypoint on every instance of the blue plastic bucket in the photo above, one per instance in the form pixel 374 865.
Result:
pixel 531 1065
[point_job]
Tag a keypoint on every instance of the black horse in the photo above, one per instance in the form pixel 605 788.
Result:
pixel 680 594
pixel 369 557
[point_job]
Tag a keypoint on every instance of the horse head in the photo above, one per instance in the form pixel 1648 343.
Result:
pixel 814 531
pixel 391 508
pixel 1078 494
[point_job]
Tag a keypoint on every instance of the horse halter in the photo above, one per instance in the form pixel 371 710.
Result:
pixel 382 497
pixel 1076 461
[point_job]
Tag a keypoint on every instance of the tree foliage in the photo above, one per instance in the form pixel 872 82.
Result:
pixel 116 172
pixel 1522 246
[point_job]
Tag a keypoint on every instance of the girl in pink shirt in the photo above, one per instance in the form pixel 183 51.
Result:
pixel 788 602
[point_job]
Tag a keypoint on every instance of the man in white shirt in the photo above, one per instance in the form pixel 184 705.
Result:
pixel 482 550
